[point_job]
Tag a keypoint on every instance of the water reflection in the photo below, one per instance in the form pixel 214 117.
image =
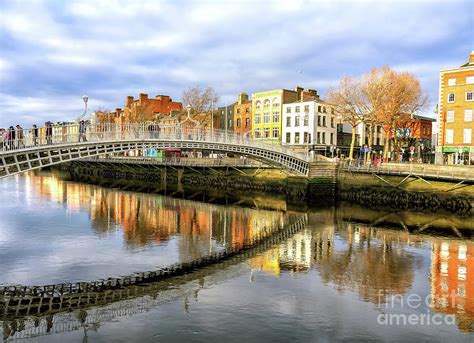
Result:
pixel 333 252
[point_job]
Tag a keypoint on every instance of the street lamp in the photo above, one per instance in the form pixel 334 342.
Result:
pixel 85 98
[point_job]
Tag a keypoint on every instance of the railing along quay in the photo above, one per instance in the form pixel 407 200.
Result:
pixel 454 173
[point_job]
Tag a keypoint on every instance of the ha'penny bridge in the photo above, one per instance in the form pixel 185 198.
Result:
pixel 32 311
pixel 33 149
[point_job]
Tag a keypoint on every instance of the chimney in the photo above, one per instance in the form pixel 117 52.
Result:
pixel 312 94
pixel 299 93
pixel 129 101
pixel 243 98
pixel 471 58
pixel 118 111
pixel 143 97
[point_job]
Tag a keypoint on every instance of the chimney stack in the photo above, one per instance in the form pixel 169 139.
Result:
pixel 129 101
pixel 243 98
pixel 299 93
pixel 143 97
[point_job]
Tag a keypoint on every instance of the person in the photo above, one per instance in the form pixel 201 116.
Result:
pixel 82 131
pixel 49 132
pixel 11 137
pixel 20 137
pixel 2 138
pixel 34 132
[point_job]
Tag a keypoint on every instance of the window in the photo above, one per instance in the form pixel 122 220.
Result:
pixel 238 122
pixel 257 105
pixel 305 137
pixel 230 123
pixel 318 137
pixel 288 137
pixel 309 138
pixel 266 117
pixel 297 121
pixel 319 109
pixel 288 121
pixel 451 97
pixel 276 117
pixel 257 133
pixel 452 82
pixel 324 109
pixel 288 109
pixel 275 102
pixel 257 119
pixel 306 108
pixel 238 110
pixel 275 132
pixel 305 120
pixel 332 138
pixel 450 116
pixel 469 96
pixel 266 104
pixel 247 122
pixel 332 121
pixel 467 136
pixel 297 109
pixel 324 121
pixel 319 120
pixel 324 137
pixel 297 138
pixel 449 136
pixel 266 132
pixel 470 80
pixel 332 110
pixel 379 129
pixel 247 110
pixel 468 115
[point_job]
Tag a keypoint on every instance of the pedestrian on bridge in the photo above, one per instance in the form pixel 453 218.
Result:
pixel 34 134
pixel 11 137
pixel 20 137
pixel 49 132
pixel 82 131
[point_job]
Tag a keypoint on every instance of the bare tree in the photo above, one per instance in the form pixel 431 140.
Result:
pixel 347 100
pixel 200 99
pixel 403 98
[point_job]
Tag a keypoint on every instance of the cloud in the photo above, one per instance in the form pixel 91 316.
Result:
pixel 53 52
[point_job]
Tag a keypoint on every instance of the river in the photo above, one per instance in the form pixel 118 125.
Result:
pixel 337 279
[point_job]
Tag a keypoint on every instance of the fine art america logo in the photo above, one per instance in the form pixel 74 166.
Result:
pixel 415 302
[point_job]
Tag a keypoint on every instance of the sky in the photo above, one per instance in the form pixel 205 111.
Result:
pixel 53 52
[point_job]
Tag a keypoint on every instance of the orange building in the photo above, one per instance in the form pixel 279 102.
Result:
pixel 243 115
pixel 452 285
pixel 456 105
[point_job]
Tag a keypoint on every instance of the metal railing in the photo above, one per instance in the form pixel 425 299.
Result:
pixel 439 171
pixel 18 139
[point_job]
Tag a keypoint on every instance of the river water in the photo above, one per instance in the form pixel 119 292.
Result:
pixel 337 279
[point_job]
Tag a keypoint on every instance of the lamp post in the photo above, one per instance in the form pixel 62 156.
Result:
pixel 85 98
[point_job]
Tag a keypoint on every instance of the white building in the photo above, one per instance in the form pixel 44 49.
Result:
pixel 310 124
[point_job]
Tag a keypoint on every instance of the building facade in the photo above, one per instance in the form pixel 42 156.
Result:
pixel 455 112
pixel 311 124
pixel 224 120
pixel 243 116
pixel 267 110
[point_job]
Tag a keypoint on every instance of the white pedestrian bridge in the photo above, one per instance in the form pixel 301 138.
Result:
pixel 28 149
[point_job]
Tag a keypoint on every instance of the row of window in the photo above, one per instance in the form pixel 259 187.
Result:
pixel 266 133
pixel 321 109
pixel 247 110
pixel 266 118
pixel 467 136
pixel 239 122
pixel 266 103
pixel 321 121
pixel 469 97
pixel 320 138
pixel 467 116
pixel 469 81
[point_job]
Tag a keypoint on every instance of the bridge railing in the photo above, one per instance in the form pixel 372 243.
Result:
pixel 19 138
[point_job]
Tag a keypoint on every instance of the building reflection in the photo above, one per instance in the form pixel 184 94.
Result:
pixel 452 280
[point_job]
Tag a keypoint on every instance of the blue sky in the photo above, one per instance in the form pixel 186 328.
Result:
pixel 53 52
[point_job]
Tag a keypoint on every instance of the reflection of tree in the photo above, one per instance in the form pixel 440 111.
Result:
pixel 371 267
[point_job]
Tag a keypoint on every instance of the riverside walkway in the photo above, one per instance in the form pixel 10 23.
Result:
pixel 450 173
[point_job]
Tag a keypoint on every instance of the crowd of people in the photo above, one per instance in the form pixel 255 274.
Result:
pixel 15 137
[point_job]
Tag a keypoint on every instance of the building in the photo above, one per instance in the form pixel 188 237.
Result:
pixel 267 109
pixel 456 104
pixel 225 118
pixel 310 125
pixel 243 116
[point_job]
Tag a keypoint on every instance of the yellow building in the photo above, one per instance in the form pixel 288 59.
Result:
pixel 456 106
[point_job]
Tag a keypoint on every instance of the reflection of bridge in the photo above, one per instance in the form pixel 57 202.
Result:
pixel 44 311
pixel 28 151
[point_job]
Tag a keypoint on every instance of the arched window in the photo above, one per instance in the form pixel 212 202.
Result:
pixel 257 105
pixel 275 102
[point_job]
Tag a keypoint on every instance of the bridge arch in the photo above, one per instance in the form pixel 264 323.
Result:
pixel 27 159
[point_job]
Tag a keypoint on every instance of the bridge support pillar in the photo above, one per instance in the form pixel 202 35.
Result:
pixel 322 182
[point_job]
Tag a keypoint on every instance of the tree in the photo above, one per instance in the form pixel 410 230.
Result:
pixel 200 99
pixel 403 98
pixel 347 100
